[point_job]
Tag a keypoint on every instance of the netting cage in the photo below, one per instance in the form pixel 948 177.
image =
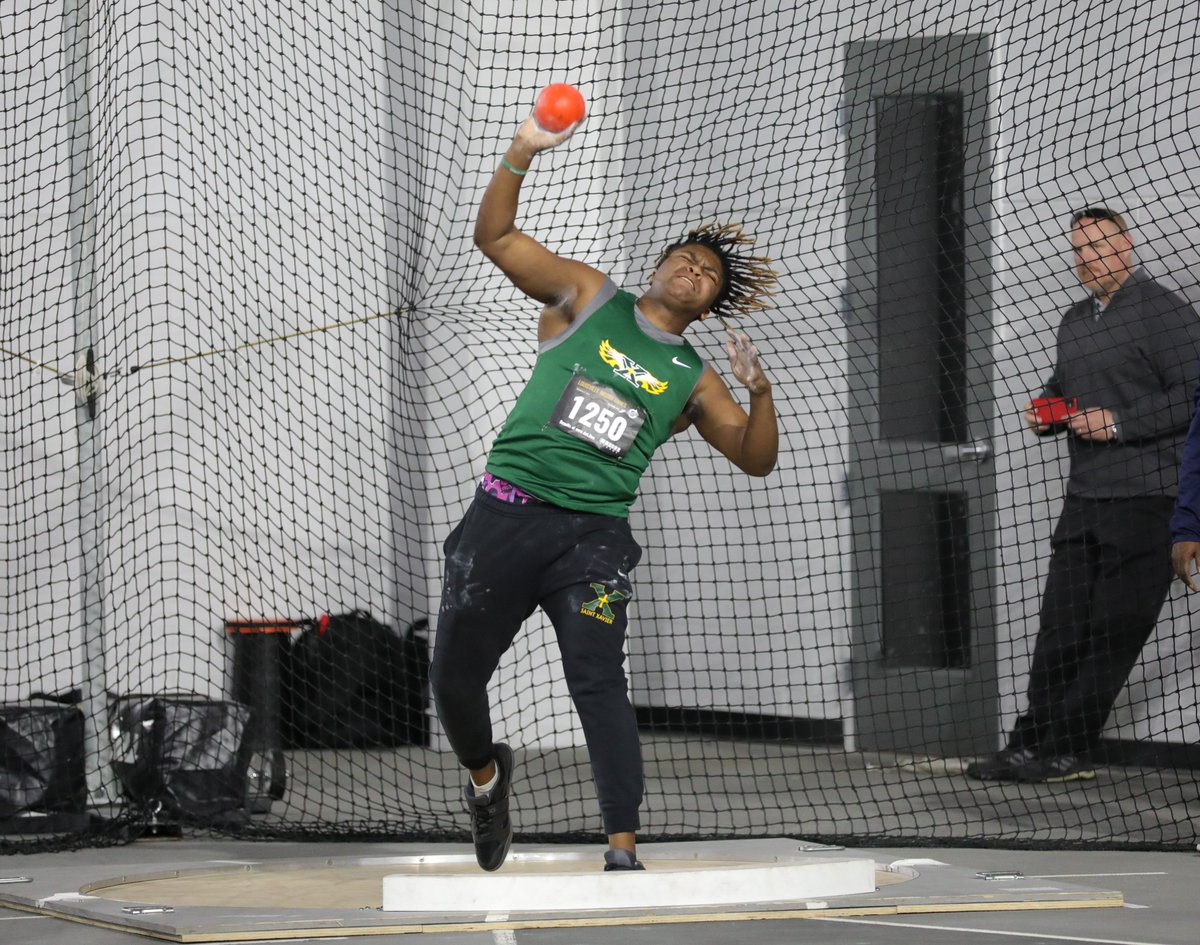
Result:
pixel 253 365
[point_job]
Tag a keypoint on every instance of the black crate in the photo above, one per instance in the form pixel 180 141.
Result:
pixel 41 760
pixel 180 756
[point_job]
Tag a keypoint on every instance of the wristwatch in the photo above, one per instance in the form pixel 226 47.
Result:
pixel 1112 428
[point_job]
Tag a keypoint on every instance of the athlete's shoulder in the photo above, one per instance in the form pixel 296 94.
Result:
pixel 623 298
pixel 607 293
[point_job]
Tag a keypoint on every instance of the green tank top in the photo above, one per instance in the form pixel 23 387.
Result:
pixel 603 396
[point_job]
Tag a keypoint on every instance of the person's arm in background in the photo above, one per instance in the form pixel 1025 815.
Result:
pixel 1173 348
pixel 1185 522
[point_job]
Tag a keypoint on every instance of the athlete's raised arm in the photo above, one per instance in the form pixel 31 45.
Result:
pixel 561 284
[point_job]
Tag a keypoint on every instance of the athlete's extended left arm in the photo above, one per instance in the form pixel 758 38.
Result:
pixel 750 440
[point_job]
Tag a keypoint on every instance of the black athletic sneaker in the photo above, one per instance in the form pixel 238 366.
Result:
pixel 1001 766
pixel 621 860
pixel 1056 769
pixel 491 827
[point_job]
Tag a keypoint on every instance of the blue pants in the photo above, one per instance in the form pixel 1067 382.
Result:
pixel 502 562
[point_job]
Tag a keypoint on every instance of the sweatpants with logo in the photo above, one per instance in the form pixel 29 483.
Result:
pixel 503 561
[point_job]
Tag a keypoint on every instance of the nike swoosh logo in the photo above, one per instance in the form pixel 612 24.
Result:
pixel 680 363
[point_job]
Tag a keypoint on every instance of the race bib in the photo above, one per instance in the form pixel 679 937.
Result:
pixel 597 414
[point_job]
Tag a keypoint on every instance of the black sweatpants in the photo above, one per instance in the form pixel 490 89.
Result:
pixel 1110 569
pixel 502 562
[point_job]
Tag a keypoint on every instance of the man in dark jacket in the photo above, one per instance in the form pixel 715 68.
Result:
pixel 1126 364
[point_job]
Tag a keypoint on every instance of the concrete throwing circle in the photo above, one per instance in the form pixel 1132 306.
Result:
pixel 537 880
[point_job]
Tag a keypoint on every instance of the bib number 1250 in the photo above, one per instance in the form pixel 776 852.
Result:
pixel 597 414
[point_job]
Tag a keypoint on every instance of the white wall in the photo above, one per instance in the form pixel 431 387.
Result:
pixel 240 199
pixel 477 335
pixel 741 599
pixel 39 486
pixel 1102 118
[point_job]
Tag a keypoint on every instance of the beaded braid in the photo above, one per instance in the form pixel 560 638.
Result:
pixel 749 281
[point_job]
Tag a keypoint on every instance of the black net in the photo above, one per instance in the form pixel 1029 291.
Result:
pixel 253 365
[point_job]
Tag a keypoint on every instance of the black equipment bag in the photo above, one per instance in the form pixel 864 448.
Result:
pixel 181 755
pixel 351 681
pixel 41 758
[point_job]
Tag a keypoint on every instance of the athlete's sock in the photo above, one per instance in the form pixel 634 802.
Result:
pixel 484 788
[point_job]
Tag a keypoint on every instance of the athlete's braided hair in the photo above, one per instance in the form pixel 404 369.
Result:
pixel 748 282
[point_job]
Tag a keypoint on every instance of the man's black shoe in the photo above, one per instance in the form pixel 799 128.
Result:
pixel 1001 766
pixel 1056 769
pixel 491 827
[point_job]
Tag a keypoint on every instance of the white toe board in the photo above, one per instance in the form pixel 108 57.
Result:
pixel 678 877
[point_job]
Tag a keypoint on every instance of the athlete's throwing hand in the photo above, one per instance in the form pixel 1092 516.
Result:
pixel 743 361
pixel 534 138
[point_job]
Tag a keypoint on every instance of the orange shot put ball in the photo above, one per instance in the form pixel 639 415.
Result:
pixel 558 107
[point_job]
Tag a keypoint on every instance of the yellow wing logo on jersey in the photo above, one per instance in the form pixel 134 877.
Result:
pixel 630 370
